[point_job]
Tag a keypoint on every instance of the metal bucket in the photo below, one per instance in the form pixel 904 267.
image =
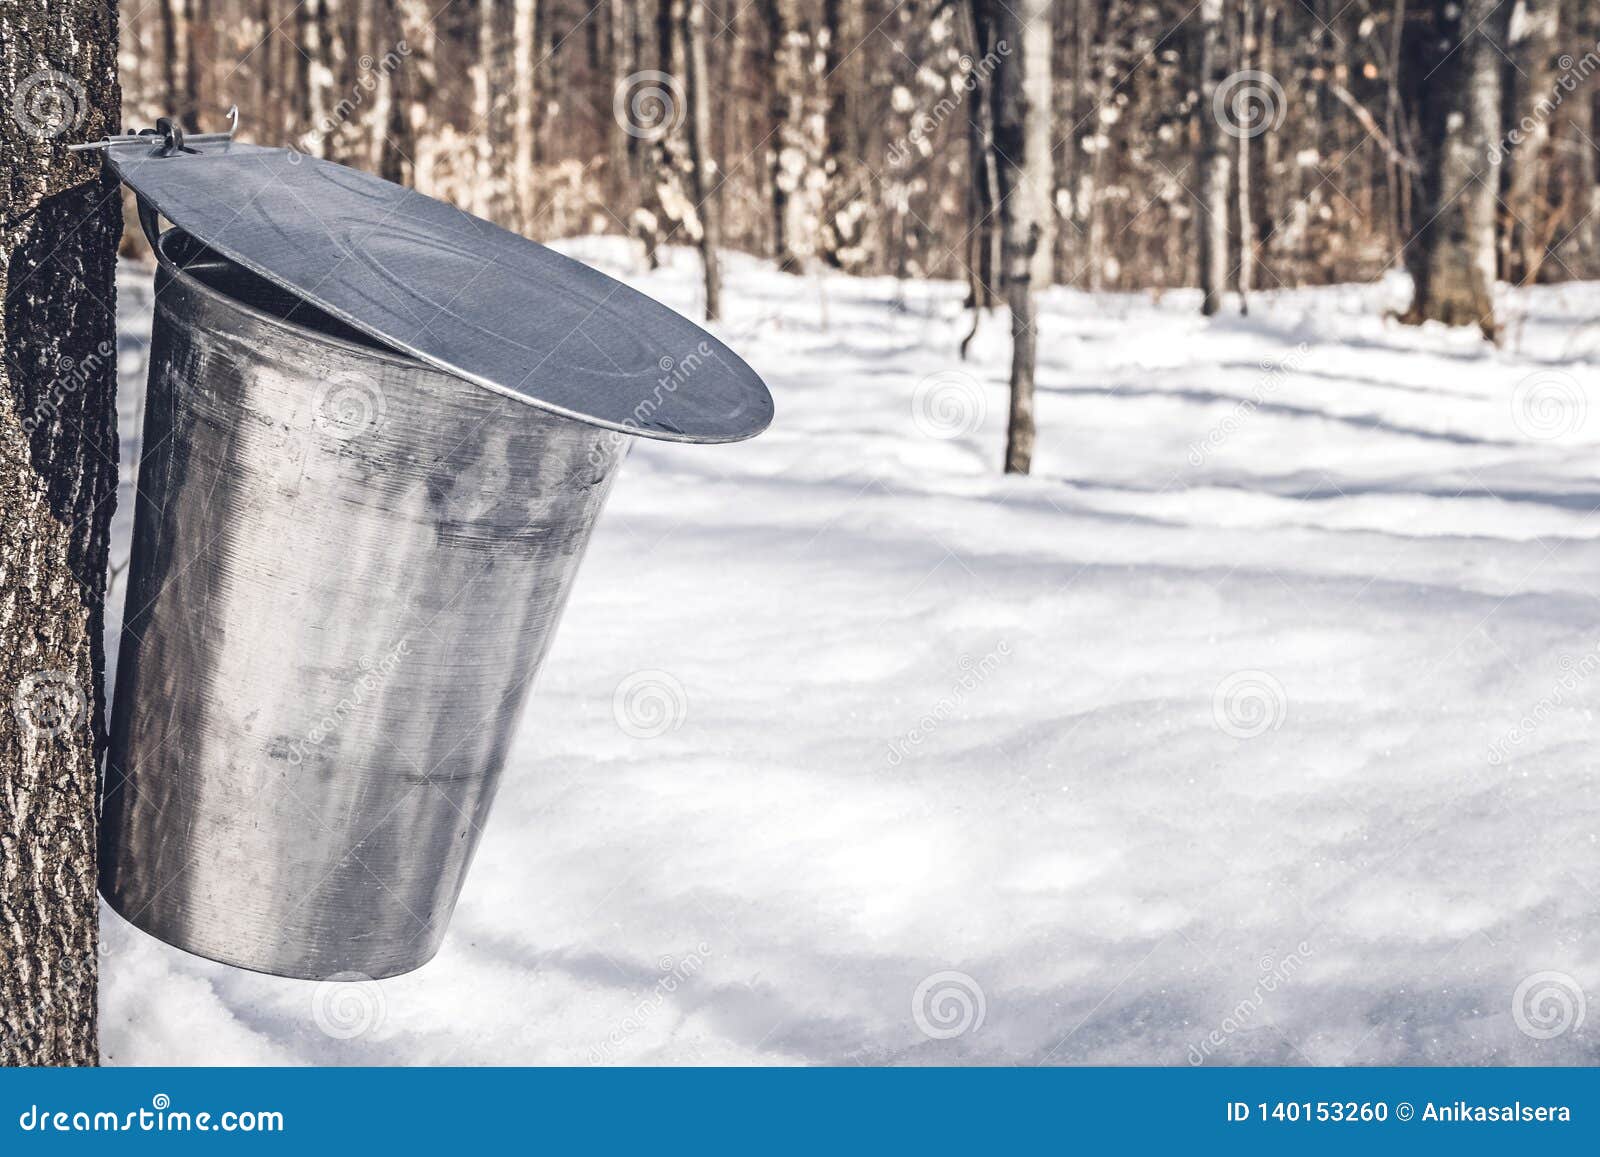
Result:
pixel 347 568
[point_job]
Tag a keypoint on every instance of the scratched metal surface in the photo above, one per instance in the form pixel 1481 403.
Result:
pixel 347 568
pixel 456 292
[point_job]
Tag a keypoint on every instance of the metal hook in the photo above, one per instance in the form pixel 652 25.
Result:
pixel 170 133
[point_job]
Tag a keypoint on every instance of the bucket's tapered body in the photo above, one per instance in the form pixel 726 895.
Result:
pixel 347 567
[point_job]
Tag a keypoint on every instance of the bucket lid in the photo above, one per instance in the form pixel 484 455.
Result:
pixel 463 295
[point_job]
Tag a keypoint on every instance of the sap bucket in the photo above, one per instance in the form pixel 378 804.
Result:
pixel 378 434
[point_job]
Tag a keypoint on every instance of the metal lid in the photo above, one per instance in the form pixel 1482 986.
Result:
pixel 455 291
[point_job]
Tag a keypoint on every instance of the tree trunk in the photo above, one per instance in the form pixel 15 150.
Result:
pixel 840 227
pixel 524 47
pixel 1021 100
pixel 1531 78
pixel 58 477
pixel 702 169
pixel 785 156
pixel 1212 162
pixel 483 111
pixel 1247 240
pixel 983 189
pixel 623 145
pixel 1452 79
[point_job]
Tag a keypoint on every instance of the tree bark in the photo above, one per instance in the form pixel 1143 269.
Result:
pixel 1212 162
pixel 983 183
pixel 58 476
pixel 702 169
pixel 483 111
pixel 1021 103
pixel 785 154
pixel 1531 78
pixel 1247 241
pixel 1452 81
pixel 524 47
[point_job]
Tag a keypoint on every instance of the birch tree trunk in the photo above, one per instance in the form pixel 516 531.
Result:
pixel 1212 162
pixel 1021 100
pixel 1453 82
pixel 702 168
pixel 483 110
pixel 60 218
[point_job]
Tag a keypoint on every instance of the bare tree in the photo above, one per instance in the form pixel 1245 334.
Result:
pixel 1531 214
pixel 702 169
pixel 524 49
pixel 1021 103
pixel 1247 242
pixel 1452 81
pixel 58 476
pixel 1212 161
pixel 786 152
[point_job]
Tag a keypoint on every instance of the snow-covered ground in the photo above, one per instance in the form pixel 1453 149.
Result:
pixel 1256 726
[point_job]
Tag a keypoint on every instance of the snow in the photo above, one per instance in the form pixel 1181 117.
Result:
pixel 1255 726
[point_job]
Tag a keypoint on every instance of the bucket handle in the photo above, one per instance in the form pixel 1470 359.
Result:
pixel 149 222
